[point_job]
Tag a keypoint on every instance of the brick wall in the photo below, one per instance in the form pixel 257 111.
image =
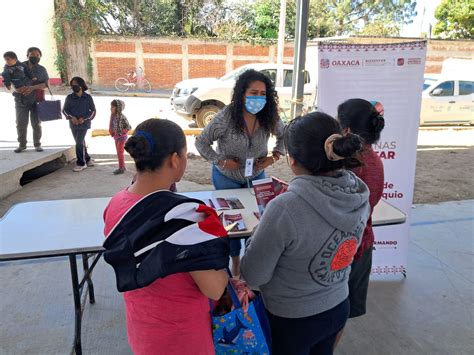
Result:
pixel 168 61
pixel 438 50
pixel 199 68
pixel 162 72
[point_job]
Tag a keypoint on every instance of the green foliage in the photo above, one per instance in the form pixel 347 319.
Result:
pixel 90 66
pixel 381 28
pixel 144 17
pixel 455 19
pixel 345 17
pixel 233 19
pixel 332 18
pixel 76 21
pixel 60 61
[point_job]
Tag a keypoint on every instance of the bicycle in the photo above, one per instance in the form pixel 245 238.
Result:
pixel 133 80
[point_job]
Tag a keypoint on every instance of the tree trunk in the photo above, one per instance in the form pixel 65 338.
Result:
pixel 73 47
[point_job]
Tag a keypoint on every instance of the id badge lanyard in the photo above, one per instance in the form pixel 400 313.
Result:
pixel 250 160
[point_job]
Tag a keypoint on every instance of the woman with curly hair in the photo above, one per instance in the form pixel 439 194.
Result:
pixel 242 130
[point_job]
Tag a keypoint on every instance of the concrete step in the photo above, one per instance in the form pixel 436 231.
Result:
pixel 14 165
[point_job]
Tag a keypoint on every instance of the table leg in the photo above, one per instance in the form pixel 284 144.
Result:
pixel 77 305
pixel 90 285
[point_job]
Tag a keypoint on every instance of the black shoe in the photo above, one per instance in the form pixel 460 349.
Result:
pixel 119 171
pixel 38 148
pixel 19 149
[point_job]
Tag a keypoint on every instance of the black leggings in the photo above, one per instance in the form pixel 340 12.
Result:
pixel 310 335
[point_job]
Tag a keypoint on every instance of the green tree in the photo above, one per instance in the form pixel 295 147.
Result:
pixel 75 23
pixel 351 16
pixel 455 19
pixel 265 22
pixel 139 17
pixel 381 28
pixel 335 17
pixel 231 20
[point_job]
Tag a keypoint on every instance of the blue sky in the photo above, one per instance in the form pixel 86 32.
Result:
pixel 421 22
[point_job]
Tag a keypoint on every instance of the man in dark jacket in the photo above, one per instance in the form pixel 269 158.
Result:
pixel 25 102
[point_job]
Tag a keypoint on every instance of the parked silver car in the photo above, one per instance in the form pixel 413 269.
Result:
pixel 200 99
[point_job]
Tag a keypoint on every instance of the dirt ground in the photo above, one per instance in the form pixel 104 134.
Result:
pixel 442 174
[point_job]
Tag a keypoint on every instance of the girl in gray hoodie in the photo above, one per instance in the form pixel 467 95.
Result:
pixel 118 129
pixel 301 252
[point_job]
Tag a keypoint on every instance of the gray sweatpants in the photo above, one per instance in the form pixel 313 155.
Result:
pixel 26 110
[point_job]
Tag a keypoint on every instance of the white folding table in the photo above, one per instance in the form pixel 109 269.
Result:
pixel 75 227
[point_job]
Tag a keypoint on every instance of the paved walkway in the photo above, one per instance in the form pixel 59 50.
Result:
pixel 429 312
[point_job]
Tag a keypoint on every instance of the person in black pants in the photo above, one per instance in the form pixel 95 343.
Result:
pixel 79 109
pixel 26 98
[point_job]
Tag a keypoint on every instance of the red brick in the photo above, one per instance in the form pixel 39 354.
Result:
pixel 199 68
pixel 109 69
pixel 206 48
pixel 466 49
pixel 433 69
pixel 161 48
pixel 435 58
pixel 108 46
pixel 163 73
pixel 288 52
pixel 251 50
pixel 239 63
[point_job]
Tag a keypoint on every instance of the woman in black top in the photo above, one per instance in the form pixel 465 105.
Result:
pixel 79 109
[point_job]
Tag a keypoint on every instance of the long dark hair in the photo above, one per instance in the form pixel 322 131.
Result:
pixel 268 116
pixel 362 118
pixel 153 141
pixel 81 82
pixel 305 137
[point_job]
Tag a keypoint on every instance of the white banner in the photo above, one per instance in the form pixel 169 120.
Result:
pixel 393 75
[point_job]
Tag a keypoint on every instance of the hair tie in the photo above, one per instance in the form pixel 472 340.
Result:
pixel 378 107
pixel 149 138
pixel 328 147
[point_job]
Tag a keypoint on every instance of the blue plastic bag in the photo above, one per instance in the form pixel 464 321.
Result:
pixel 238 332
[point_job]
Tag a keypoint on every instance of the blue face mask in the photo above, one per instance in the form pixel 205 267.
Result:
pixel 255 104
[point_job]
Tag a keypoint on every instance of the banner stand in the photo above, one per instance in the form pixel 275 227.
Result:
pixel 393 75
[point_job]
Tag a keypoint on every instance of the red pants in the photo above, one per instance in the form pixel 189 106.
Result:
pixel 119 144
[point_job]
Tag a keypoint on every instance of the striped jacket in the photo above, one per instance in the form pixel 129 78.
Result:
pixel 162 234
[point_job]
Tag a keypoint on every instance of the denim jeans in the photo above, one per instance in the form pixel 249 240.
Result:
pixel 222 182
pixel 81 149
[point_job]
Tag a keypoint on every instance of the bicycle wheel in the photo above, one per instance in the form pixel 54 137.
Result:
pixel 121 84
pixel 146 85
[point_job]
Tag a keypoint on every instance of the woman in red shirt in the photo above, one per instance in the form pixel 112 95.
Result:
pixel 171 314
pixel 365 119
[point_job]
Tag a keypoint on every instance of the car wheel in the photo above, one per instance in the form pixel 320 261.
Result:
pixel 206 114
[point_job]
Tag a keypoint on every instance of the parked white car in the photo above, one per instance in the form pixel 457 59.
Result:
pixel 200 99
pixel 448 100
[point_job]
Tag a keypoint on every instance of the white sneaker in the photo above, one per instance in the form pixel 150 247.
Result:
pixel 78 168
